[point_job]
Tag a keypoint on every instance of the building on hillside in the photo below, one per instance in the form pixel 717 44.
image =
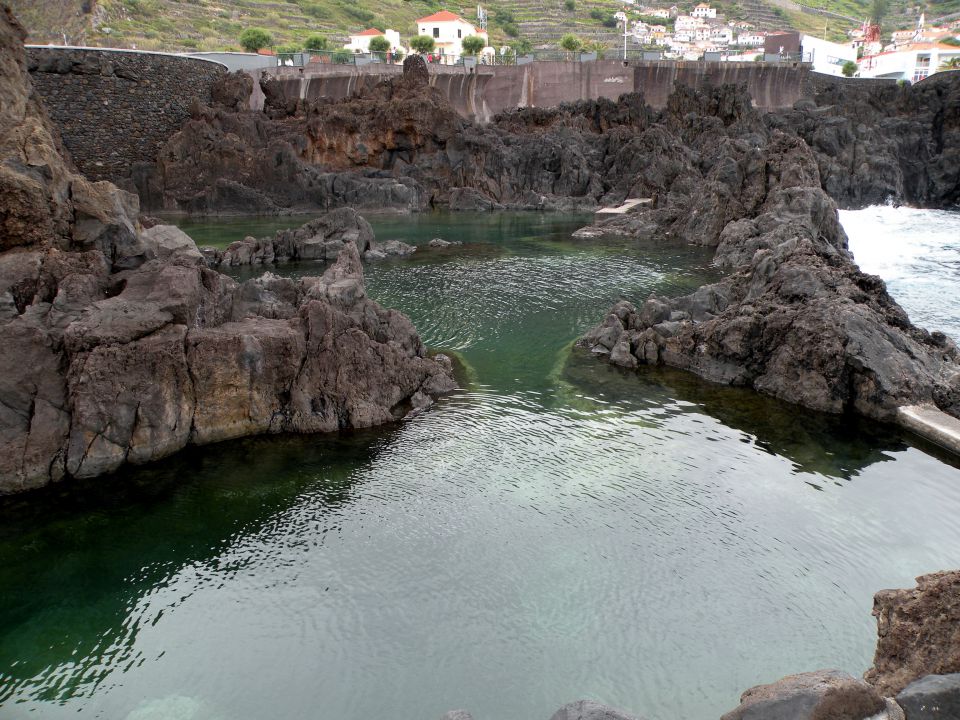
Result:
pixel 660 13
pixel 685 22
pixel 360 43
pixel 448 31
pixel 751 39
pixel 827 57
pixel 912 62
pixel 721 35
pixel 784 44
pixel 704 12
pixel 903 37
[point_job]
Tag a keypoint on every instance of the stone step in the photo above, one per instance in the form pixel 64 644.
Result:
pixel 932 424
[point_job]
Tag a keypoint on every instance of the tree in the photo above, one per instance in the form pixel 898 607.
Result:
pixel 570 5
pixel 315 43
pixel 570 43
pixel 473 44
pixel 878 11
pixel 951 64
pixel 379 44
pixel 255 39
pixel 522 46
pixel 421 44
pixel 398 55
pixel 849 68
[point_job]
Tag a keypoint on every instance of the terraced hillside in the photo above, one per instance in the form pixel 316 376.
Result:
pixel 179 25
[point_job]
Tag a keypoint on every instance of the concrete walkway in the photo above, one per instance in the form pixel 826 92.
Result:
pixel 933 424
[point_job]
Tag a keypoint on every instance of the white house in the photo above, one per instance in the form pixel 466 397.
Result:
pixel 448 31
pixel 361 41
pixel 721 35
pixel 704 11
pixel 913 62
pixel 685 22
pixel 661 13
pixel 751 39
pixel 827 57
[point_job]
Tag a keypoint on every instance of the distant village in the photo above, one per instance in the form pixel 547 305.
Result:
pixel 702 33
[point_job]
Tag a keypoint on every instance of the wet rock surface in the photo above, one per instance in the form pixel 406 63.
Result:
pixel 918 632
pixel 122 346
pixel 820 695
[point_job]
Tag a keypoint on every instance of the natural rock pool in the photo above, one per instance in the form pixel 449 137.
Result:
pixel 558 529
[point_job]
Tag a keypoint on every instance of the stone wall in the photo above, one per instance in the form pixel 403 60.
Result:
pixel 116 108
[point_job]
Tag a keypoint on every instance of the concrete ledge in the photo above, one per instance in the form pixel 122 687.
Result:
pixel 932 424
pixel 627 207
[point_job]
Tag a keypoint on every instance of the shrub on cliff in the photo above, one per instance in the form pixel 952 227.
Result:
pixel 849 68
pixel 421 44
pixel 255 39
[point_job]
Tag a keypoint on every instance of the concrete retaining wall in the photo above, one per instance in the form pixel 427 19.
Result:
pixel 116 108
pixel 488 90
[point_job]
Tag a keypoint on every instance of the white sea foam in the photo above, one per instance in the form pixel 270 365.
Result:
pixel 917 252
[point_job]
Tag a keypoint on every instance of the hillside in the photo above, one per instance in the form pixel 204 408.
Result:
pixel 179 25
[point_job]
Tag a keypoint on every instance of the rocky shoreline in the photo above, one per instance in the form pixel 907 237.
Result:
pixel 122 346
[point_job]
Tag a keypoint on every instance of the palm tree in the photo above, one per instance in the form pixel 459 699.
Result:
pixel 951 64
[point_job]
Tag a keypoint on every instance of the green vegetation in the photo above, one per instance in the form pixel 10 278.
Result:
pixel 473 44
pixel 849 68
pixel 951 64
pixel 570 43
pixel 421 44
pixel 316 43
pixel 379 44
pixel 173 25
pixel 254 39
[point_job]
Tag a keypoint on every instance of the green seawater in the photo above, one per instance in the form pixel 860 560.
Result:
pixel 558 529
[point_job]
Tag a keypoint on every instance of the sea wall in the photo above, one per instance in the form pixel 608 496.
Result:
pixel 482 92
pixel 116 108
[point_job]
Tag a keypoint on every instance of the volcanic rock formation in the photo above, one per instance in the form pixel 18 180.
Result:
pixel 120 345
pixel 402 145
pixel 795 318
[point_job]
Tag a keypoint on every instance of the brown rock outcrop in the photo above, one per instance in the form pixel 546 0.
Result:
pixel 795 318
pixel 918 632
pixel 121 346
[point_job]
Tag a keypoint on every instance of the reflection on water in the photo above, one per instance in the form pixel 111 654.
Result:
pixel 559 529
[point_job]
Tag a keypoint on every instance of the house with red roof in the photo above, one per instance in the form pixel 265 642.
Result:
pixel 448 31
pixel 360 43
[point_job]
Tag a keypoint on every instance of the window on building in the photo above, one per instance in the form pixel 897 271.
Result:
pixel 436 32
pixel 459 33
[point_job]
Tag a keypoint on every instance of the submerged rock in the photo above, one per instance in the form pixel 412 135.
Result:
pixel 918 632
pixel 122 346
pixel 590 710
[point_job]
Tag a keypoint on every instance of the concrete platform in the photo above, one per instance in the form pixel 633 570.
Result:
pixel 932 424
pixel 627 207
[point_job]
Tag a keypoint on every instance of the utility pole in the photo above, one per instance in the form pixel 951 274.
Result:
pixel 622 17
